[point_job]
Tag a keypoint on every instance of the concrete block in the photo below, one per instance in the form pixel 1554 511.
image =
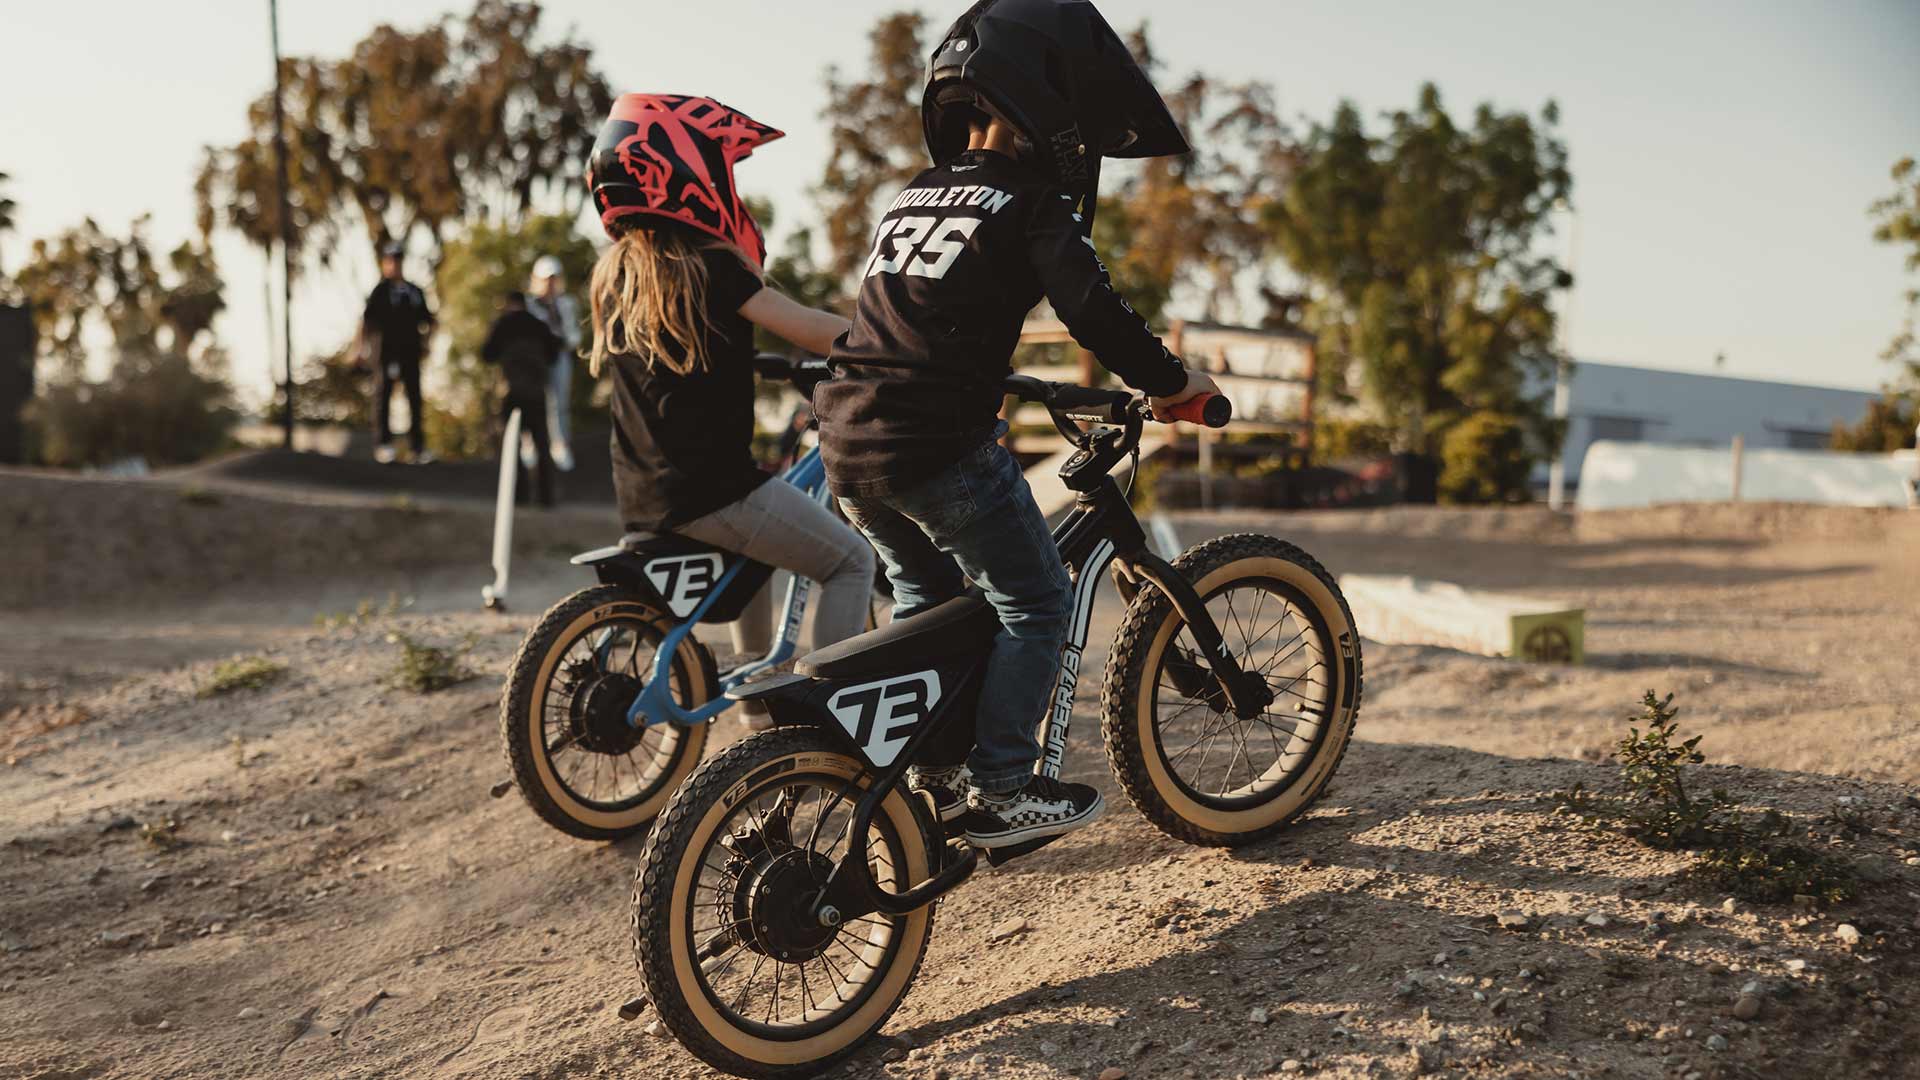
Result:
pixel 1415 611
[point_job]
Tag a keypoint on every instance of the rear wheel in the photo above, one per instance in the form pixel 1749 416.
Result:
pixel 738 970
pixel 563 715
pixel 1194 768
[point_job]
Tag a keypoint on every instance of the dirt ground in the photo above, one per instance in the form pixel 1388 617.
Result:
pixel 309 880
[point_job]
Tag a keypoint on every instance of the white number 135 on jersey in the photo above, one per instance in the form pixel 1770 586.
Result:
pixel 922 246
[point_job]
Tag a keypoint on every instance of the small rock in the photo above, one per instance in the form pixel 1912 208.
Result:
pixel 1049 1049
pixel 119 939
pixel 1716 1042
pixel 153 883
pixel 164 1025
pixel 1729 905
pixel 1258 1015
pixel 249 1013
pixel 228 836
pixel 1140 1046
pixel 1802 900
pixel 1007 929
pixel 1879 1006
pixel 1848 934
pixel 1796 966
pixel 1514 920
pixel 656 1029
pixel 1596 919
pixel 1113 1072
pixel 894 1054
pixel 1746 1008
pixel 1291 1065
pixel 306 821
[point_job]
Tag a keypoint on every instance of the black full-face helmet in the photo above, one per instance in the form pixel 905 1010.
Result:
pixel 1059 74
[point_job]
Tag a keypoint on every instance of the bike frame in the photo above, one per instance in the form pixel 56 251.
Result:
pixel 655 705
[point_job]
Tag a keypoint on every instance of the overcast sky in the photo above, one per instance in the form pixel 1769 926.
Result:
pixel 1723 154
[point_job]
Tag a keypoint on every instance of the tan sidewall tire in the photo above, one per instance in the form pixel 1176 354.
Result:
pixel 1141 764
pixel 781 1054
pixel 693 740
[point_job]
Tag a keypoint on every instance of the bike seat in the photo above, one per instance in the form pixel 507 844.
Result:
pixel 634 541
pixel 964 623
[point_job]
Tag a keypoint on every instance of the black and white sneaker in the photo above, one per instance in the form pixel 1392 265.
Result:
pixel 1044 808
pixel 947 787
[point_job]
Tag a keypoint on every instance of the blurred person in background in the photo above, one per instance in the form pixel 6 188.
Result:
pixel 525 347
pixel 393 333
pixel 548 299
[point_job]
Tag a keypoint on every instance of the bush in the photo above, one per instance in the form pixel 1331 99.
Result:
pixel 1485 459
pixel 424 669
pixel 244 673
pixel 154 406
pixel 1749 856
pixel 1336 440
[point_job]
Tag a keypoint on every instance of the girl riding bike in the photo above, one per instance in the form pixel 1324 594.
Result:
pixel 674 301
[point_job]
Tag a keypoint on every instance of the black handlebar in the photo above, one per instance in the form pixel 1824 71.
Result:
pixel 1115 407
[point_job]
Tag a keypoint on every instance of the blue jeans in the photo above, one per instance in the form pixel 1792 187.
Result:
pixel 978 520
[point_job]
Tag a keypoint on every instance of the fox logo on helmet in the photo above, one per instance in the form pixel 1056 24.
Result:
pixel 672 156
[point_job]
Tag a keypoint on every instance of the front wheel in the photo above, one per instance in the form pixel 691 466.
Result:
pixel 1196 770
pixel 740 972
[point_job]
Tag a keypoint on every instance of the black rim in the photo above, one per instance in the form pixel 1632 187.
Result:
pixel 791 833
pixel 595 757
pixel 1213 756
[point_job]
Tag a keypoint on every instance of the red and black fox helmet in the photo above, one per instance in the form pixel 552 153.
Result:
pixel 672 156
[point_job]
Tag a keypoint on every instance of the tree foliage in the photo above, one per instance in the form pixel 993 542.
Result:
pixel 873 127
pixel 418 130
pixel 7 210
pixel 165 398
pixel 481 266
pixel 1890 420
pixel 1419 246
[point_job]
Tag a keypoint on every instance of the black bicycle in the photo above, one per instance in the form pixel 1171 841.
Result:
pixel 784 898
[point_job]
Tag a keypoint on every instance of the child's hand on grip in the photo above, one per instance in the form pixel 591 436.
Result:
pixel 1198 382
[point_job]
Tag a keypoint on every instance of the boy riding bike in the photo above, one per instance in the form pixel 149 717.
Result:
pixel 908 424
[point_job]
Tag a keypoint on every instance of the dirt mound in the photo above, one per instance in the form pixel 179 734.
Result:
pixel 591 480
pixel 310 881
pixel 80 542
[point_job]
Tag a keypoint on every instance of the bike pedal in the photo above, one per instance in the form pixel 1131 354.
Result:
pixel 998 855
pixel 632 1009
pixel 499 790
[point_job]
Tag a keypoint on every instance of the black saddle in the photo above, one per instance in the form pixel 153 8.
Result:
pixel 964 623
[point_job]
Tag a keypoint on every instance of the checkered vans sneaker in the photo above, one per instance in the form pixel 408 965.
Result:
pixel 1045 807
pixel 947 787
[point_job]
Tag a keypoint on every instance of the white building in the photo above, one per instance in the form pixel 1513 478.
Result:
pixel 1630 404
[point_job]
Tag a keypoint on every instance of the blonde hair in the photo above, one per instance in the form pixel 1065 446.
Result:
pixel 649 293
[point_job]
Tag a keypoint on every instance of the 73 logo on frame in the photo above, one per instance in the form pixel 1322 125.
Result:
pixel 881 716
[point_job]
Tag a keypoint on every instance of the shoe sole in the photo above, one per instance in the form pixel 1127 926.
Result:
pixel 1012 837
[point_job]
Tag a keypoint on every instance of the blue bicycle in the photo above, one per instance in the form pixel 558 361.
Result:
pixel 606 703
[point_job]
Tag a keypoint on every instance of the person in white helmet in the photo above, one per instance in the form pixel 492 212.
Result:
pixel 547 298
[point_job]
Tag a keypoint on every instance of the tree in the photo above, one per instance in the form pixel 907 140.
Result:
pixel 417 131
pixel 1419 250
pixel 7 210
pixel 1890 421
pixel 166 397
pixel 875 133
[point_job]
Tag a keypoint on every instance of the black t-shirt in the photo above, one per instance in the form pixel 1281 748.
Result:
pixel 683 444
pixel 525 348
pixel 959 259
pixel 397 311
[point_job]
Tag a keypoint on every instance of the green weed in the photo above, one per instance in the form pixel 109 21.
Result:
pixel 242 673
pixel 424 669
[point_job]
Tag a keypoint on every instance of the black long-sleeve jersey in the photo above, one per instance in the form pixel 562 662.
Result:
pixel 959 259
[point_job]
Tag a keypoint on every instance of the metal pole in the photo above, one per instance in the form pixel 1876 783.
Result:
pixel 1739 463
pixel 1562 389
pixel 286 226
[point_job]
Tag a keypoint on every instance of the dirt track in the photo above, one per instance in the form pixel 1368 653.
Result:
pixel 345 884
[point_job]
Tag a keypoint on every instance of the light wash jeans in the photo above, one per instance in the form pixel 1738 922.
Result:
pixel 560 397
pixel 780 525
pixel 978 520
